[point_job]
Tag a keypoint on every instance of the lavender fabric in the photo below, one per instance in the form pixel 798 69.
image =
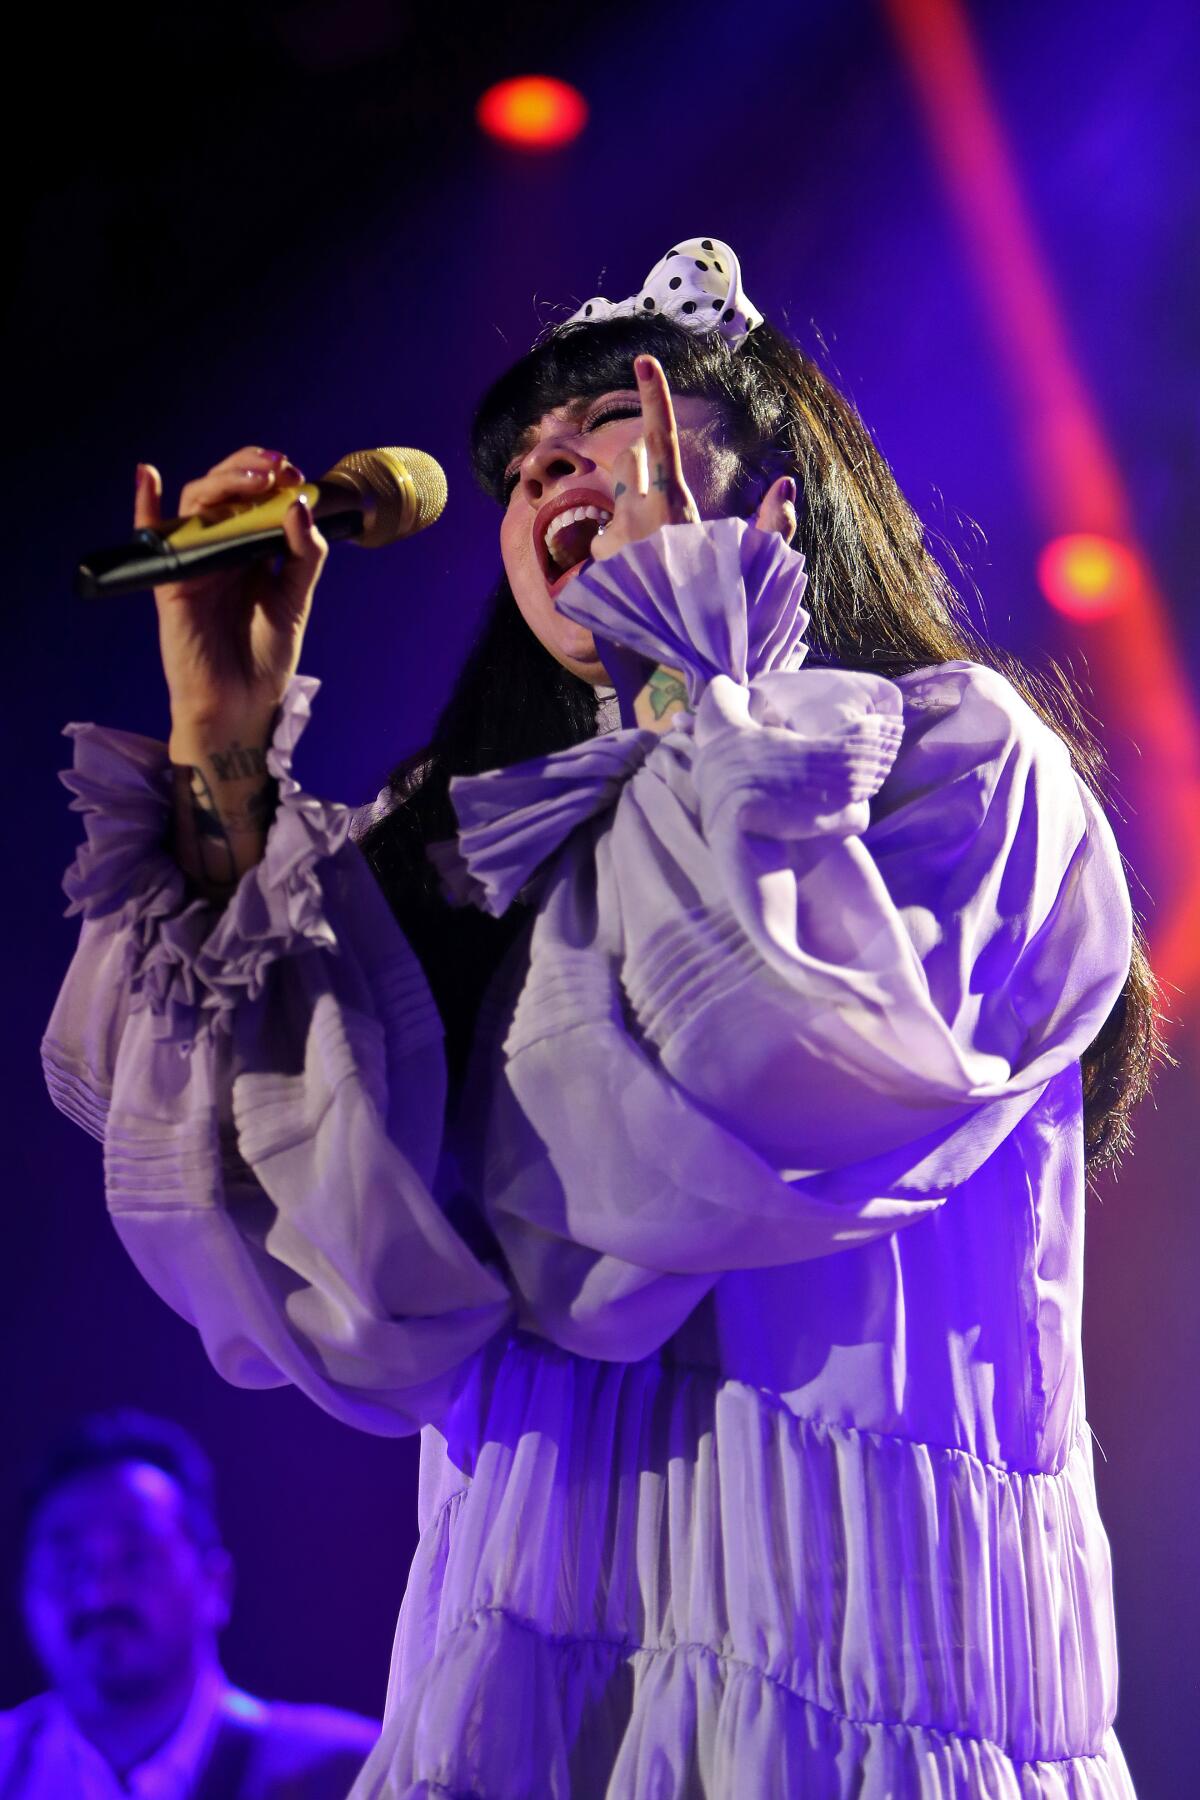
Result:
pixel 757 1463
pixel 183 962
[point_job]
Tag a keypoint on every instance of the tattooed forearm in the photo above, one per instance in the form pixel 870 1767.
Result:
pixel 221 822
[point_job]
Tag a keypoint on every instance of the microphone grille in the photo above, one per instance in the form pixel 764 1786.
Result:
pixel 402 491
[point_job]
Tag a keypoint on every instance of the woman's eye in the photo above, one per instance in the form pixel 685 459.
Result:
pixel 612 412
pixel 629 410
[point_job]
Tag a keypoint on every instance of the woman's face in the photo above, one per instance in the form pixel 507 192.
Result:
pixel 564 464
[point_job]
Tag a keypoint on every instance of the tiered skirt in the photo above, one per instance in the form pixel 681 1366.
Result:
pixel 643 1582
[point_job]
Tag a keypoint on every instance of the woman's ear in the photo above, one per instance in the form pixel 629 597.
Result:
pixel 777 509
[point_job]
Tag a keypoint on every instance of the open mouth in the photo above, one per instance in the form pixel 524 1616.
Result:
pixel 565 531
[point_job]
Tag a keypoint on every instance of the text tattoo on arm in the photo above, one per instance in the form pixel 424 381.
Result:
pixel 208 824
pixel 238 763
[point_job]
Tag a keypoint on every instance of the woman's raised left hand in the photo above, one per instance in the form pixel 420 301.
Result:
pixel 649 490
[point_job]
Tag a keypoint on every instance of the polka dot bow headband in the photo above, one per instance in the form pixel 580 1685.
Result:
pixel 697 285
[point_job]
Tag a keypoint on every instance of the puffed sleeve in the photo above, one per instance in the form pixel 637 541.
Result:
pixel 268 1083
pixel 834 939
pixel 945 946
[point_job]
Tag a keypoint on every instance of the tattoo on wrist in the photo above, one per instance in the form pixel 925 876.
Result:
pixel 667 691
pixel 206 830
pixel 238 763
pixel 661 479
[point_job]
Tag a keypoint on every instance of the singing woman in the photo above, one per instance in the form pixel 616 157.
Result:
pixel 675 1105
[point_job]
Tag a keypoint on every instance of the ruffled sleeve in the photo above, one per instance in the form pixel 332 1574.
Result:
pixel 715 598
pixel 269 1085
pixel 187 964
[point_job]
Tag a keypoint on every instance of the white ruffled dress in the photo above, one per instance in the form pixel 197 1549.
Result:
pixel 755 1463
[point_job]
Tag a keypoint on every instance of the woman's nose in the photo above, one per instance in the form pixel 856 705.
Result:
pixel 554 459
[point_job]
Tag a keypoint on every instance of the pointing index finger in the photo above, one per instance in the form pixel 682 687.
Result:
pixel 658 415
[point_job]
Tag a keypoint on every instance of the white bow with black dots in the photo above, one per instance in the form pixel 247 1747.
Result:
pixel 698 285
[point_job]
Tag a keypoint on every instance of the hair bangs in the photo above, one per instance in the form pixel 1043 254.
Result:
pixel 582 360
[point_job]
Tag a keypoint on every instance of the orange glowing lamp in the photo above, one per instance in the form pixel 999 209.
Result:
pixel 1087 576
pixel 533 112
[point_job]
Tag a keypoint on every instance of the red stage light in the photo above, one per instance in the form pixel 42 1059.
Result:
pixel 1088 576
pixel 535 112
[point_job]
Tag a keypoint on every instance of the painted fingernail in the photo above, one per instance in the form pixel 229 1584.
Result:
pixel 275 456
pixel 789 492
pixel 644 366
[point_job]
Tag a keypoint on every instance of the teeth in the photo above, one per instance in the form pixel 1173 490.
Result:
pixel 569 517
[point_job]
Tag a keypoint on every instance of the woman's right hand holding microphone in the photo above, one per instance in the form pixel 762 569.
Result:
pixel 230 642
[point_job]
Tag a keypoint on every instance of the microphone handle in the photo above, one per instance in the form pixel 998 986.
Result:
pixel 180 549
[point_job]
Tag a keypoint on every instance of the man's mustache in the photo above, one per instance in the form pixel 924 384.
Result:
pixel 100 1616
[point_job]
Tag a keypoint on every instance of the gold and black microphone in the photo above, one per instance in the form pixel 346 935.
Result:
pixel 371 498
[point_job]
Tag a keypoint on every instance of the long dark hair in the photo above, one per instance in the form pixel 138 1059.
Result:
pixel 879 600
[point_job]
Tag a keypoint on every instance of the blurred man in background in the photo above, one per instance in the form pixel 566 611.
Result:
pixel 127 1588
